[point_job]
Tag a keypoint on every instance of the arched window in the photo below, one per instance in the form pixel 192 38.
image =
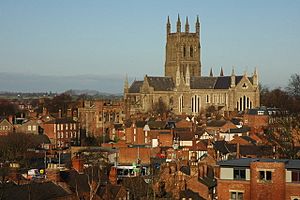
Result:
pixel 191 51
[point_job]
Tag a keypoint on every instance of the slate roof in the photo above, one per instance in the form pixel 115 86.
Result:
pixel 186 170
pixel 157 124
pixel 216 123
pixel 161 83
pixel 41 191
pixel 220 82
pixel 61 121
pixel 135 87
pixel 196 82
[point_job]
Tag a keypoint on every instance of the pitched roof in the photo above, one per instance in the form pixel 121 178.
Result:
pixel 157 124
pixel 220 82
pixel 216 123
pixel 198 82
pixel 61 121
pixel 42 191
pixel 135 87
pixel 161 83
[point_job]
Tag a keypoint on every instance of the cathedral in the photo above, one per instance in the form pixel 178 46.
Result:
pixel 183 89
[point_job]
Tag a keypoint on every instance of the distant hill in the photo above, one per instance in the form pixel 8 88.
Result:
pixel 81 84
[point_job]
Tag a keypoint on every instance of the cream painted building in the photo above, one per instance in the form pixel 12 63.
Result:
pixel 183 89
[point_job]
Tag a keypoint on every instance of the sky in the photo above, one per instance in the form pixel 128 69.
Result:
pixel 73 38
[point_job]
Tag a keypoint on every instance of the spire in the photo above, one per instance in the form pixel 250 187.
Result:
pixel 187 26
pixel 221 72
pixel 197 25
pixel 168 26
pixel 255 77
pixel 187 76
pixel 178 24
pixel 211 73
pixel 232 78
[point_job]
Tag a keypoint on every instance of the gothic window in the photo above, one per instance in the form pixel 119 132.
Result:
pixel 195 104
pixel 191 52
pixel 184 51
pixel 207 98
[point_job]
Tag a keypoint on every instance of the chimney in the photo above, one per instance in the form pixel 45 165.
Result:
pixel 113 175
pixel 205 170
pixel 69 112
pixel 200 175
pixel 77 164
pixel 10 119
pixel 45 111
pixel 238 150
pixel 59 113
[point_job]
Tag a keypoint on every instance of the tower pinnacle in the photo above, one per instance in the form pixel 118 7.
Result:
pixel 187 26
pixel 178 24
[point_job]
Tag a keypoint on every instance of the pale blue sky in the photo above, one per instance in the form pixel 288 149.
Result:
pixel 89 37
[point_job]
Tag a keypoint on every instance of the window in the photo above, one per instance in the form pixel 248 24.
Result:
pixel 29 128
pixel 184 51
pixel 67 127
pixel 207 98
pixel 61 127
pixel 239 174
pixel 34 127
pixel 296 176
pixel 265 175
pixel 236 195
pixel 191 52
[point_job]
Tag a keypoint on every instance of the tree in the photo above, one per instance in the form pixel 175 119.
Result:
pixel 97 165
pixel 7 108
pixel 160 107
pixel 294 85
pixel 15 145
pixel 284 133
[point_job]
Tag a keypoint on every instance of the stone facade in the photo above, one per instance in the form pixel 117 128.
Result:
pixel 183 89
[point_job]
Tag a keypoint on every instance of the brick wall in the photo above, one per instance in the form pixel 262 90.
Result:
pixel 261 189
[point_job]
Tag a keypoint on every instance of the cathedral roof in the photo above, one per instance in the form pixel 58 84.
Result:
pixel 220 82
pixel 135 87
pixel 202 82
pixel 161 83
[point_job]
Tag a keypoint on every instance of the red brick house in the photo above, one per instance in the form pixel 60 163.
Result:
pixel 62 132
pixel 252 178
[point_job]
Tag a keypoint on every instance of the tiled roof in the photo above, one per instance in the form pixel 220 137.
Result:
pixel 135 87
pixel 161 83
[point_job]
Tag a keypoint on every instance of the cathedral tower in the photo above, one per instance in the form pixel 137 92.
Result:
pixel 183 50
